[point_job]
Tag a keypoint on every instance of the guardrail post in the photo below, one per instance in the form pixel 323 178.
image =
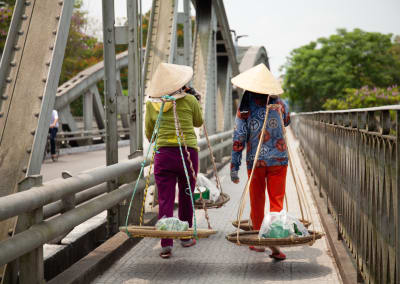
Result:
pixel 30 264
pixel 68 203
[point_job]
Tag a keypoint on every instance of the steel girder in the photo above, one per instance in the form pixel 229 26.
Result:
pixel 31 68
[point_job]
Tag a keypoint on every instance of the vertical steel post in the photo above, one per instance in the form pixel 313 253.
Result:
pixel 88 110
pixel 110 92
pixel 134 81
pixel 187 33
pixel 228 99
pixel 211 95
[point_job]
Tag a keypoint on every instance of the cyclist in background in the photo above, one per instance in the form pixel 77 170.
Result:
pixel 53 133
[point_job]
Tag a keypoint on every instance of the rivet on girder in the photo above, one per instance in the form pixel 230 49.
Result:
pixel 1 114
pixel 4 97
pixel 36 114
pixel 13 64
pixel 60 3
pixel 24 17
pixel 25 170
pixel 48 63
pixel 27 3
pixel 109 30
pixel 51 47
pixel 44 80
pixel 57 17
pixel 33 132
pixel 29 151
pixel 8 80
pixel 54 32
pixel 109 41
pixel 40 97
pixel 20 32
pixel 16 47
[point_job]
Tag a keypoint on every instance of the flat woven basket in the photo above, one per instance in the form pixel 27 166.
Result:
pixel 251 238
pixel 152 232
pixel 245 226
pixel 222 199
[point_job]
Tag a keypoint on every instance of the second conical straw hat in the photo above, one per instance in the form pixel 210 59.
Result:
pixel 169 78
pixel 258 80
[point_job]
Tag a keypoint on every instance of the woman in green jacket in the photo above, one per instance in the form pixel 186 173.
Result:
pixel 171 79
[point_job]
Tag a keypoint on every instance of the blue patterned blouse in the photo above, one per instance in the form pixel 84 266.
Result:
pixel 248 130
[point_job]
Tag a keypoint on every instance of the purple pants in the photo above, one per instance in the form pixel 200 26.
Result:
pixel 168 169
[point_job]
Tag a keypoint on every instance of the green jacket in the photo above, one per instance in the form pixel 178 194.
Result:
pixel 189 114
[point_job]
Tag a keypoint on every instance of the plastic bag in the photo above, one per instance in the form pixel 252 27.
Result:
pixel 204 191
pixel 281 225
pixel 172 224
pixel 202 181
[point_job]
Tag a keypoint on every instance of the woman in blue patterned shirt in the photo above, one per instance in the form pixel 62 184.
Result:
pixel 261 88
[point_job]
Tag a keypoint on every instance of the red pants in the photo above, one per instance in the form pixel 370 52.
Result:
pixel 274 178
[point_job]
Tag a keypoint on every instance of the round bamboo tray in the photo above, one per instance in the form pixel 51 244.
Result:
pixel 245 226
pixel 152 232
pixel 251 238
pixel 222 199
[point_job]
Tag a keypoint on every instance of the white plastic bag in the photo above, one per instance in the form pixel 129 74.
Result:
pixel 281 225
pixel 171 224
pixel 202 181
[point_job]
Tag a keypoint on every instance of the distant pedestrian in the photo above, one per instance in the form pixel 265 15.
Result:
pixel 170 79
pixel 271 167
pixel 53 133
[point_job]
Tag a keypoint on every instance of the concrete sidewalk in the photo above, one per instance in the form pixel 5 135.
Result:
pixel 216 260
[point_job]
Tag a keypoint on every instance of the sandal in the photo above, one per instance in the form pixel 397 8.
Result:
pixel 278 256
pixel 188 243
pixel 257 249
pixel 165 252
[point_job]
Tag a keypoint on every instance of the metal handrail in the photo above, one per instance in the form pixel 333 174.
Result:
pixel 380 108
pixel 88 184
pixel 354 159
pixel 26 201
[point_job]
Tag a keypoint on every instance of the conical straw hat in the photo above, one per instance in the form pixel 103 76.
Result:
pixel 169 78
pixel 258 80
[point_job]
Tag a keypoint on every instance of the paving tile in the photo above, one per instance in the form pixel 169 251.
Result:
pixel 215 260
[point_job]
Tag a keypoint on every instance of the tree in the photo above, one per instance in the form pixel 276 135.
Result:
pixel 326 68
pixel 6 10
pixel 365 97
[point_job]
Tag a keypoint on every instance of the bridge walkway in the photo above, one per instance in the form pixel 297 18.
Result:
pixel 215 260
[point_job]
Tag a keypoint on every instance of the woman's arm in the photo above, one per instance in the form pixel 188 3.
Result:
pixel 197 113
pixel 286 113
pixel 149 123
pixel 239 143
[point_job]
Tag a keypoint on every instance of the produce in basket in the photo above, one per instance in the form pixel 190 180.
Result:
pixel 172 224
pixel 281 225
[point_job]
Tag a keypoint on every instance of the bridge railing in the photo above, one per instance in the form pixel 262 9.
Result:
pixel 354 157
pixel 56 200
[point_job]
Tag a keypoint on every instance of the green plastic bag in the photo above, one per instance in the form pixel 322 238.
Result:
pixel 277 231
pixel 281 225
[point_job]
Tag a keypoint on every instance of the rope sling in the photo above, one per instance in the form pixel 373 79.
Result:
pixel 148 231
pixel 251 237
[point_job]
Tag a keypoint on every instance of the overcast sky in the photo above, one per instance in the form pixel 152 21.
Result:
pixel 283 25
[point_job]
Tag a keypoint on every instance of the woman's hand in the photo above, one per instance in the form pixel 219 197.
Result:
pixel 236 180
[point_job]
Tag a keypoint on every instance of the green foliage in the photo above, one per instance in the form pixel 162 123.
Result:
pixel 5 20
pixel 324 69
pixel 365 97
